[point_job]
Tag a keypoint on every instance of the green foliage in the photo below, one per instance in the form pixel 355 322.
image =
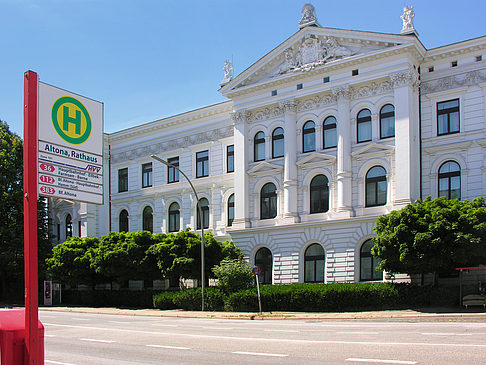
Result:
pixel 164 300
pixel 434 235
pixel 190 299
pixel 12 216
pixel 71 261
pixel 233 275
pixel 338 297
pixel 123 256
pixel 179 254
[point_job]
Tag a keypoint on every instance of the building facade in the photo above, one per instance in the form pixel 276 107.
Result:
pixel 318 138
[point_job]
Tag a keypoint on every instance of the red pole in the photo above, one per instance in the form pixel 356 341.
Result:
pixel 32 353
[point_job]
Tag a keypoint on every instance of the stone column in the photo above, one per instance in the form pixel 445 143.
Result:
pixel 344 169
pixel 290 158
pixel 242 216
pixel 405 92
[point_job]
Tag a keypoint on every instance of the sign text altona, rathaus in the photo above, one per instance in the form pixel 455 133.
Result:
pixel 70 146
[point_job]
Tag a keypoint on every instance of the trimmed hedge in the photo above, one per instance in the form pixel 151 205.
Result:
pixel 109 298
pixel 337 297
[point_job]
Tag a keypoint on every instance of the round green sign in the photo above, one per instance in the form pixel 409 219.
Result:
pixel 71 120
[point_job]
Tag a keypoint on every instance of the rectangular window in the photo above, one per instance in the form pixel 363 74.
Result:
pixel 326 79
pixel 355 72
pixel 202 164
pixel 454 64
pixel 448 117
pixel 299 86
pixel 147 175
pixel 479 58
pixel 123 180
pixel 431 69
pixel 274 92
pixel 172 173
pixel 230 158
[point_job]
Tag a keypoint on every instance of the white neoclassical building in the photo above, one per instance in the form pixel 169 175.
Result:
pixel 318 138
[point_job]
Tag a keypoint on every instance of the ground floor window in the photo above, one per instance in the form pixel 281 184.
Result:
pixel 368 263
pixel 314 264
pixel 264 260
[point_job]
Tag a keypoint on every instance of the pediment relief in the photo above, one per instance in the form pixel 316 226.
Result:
pixel 309 49
pixel 373 149
pixel 265 168
pixel 316 159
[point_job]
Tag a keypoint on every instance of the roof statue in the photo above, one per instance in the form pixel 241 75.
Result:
pixel 308 16
pixel 228 72
pixel 407 18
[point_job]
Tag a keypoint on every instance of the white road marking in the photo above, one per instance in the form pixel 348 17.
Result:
pixel 258 354
pixel 358 333
pixel 49 335
pixel 95 340
pixel 288 331
pixel 366 343
pixel 445 334
pixel 79 319
pixel 57 362
pixel 380 361
pixel 170 347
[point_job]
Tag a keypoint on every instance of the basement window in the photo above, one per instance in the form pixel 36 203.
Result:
pixel 454 64
pixel 479 58
pixel 299 86
pixel 354 72
pixel 274 92
pixel 431 69
pixel 326 79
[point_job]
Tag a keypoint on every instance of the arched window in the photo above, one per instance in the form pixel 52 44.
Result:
pixel 314 264
pixel 329 132
pixel 319 194
pixel 148 219
pixel 387 121
pixel 278 143
pixel 123 221
pixel 376 186
pixel 368 263
pixel 263 259
pixel 259 146
pixel 364 126
pixel 69 226
pixel 174 218
pixel 268 201
pixel 309 137
pixel 231 209
pixel 450 180
pixel 204 204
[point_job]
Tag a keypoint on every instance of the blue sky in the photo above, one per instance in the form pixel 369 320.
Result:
pixel 149 59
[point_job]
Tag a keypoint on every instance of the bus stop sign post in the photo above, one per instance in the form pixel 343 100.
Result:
pixel 256 270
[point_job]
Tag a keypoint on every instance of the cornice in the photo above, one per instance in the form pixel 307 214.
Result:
pixel 162 124
pixel 455 49
pixel 455 146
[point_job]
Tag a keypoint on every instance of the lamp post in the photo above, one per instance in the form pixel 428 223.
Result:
pixel 201 218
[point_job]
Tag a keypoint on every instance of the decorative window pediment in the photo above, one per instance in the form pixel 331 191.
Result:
pixel 265 168
pixel 448 147
pixel 316 159
pixel 373 150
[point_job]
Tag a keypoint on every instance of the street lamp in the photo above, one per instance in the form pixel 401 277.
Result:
pixel 201 219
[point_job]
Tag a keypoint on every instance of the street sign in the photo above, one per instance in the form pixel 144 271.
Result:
pixel 256 270
pixel 70 146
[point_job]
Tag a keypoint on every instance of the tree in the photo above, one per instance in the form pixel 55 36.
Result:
pixel 179 255
pixel 12 217
pixel 432 236
pixel 71 261
pixel 124 256
pixel 234 275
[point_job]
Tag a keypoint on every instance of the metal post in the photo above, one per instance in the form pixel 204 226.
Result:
pixel 32 352
pixel 155 157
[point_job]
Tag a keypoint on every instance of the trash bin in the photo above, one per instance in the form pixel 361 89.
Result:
pixel 12 337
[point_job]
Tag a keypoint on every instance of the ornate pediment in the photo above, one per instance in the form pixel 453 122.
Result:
pixel 372 150
pixel 313 48
pixel 316 159
pixel 265 168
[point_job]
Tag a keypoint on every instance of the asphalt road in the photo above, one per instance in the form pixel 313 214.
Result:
pixel 82 338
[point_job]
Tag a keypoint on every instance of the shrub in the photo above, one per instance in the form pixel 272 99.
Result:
pixel 109 298
pixel 233 275
pixel 190 299
pixel 339 297
pixel 164 300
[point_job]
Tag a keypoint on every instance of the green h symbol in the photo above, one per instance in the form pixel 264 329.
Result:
pixel 66 119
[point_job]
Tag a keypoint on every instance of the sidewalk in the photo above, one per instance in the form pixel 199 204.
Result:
pixel 429 314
